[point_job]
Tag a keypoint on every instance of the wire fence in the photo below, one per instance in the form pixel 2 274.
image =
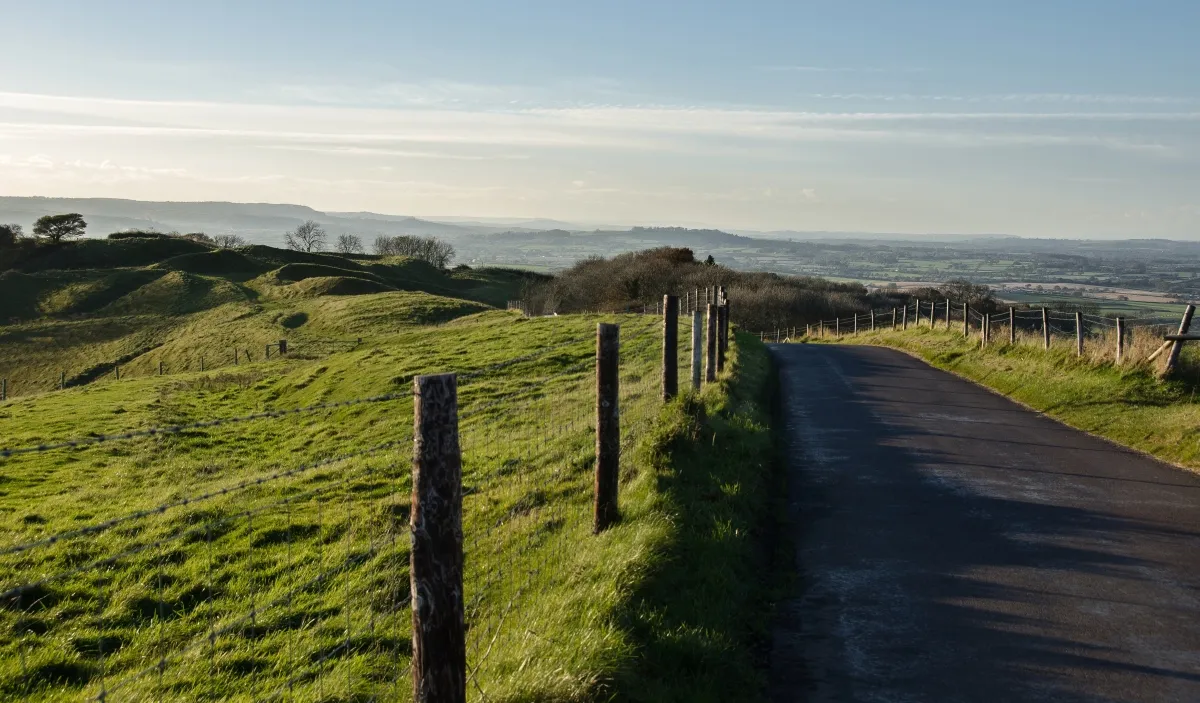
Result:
pixel 297 582
pixel 1101 337
pixel 19 384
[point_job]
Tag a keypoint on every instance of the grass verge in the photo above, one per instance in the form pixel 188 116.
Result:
pixel 698 617
pixel 1127 404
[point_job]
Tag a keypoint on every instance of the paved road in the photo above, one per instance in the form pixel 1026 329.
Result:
pixel 954 546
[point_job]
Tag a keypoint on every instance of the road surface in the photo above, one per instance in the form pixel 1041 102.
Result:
pixel 952 545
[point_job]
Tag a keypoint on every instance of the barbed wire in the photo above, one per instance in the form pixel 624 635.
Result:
pixel 190 500
pixel 175 429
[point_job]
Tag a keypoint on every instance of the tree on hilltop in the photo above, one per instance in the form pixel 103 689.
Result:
pixel 55 228
pixel 228 241
pixel 349 244
pixel 308 237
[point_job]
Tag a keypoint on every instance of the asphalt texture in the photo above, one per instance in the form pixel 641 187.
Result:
pixel 952 545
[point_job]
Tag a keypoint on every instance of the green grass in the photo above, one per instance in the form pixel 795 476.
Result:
pixel 186 305
pixel 554 613
pixel 1127 404
pixel 698 621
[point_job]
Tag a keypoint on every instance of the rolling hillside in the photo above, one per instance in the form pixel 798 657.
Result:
pixel 89 306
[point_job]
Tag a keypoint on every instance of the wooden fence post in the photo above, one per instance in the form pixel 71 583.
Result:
pixel 697 348
pixel 983 329
pixel 266 351
pixel 1045 328
pixel 723 333
pixel 439 654
pixel 855 333
pixel 670 350
pixel 1120 339
pixel 872 319
pixel 282 347
pixel 904 318
pixel 1012 326
pixel 1184 326
pixel 916 313
pixel 4 389
pixel 160 368
pixel 1078 334
pixel 966 319
pixel 201 363
pixel 893 318
pixel 608 425
pixel 837 328
pixel 62 380
pixel 947 314
pixel 710 343
pixel 117 373
pixel 235 356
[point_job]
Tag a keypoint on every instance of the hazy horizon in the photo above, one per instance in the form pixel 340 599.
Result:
pixel 1035 119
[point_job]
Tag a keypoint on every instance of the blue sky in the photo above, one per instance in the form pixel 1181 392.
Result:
pixel 1067 119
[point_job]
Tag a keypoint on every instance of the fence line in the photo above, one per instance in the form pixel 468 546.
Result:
pixel 1079 327
pixel 303 567
pixel 9 385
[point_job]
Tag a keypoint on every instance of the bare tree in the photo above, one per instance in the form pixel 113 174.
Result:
pixel 228 241
pixel 309 236
pixel 428 249
pixel 349 244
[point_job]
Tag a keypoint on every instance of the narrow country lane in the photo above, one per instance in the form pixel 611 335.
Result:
pixel 955 546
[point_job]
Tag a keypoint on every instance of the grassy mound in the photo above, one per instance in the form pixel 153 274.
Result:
pixel 215 262
pixel 1127 404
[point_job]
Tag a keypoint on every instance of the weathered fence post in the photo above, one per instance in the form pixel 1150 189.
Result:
pixel 696 302
pixel 893 318
pixel 266 351
pixel 983 329
pixel 160 368
pixel 837 328
pixel 821 325
pixel 966 319
pixel 916 313
pixel 670 350
pixel 282 347
pixel 1078 334
pixel 872 319
pixel 855 332
pixel 723 333
pixel 932 314
pixel 710 344
pixel 62 380
pixel 1176 346
pixel 608 425
pixel 697 348
pixel 4 389
pixel 947 314
pixel 235 356
pixel 201 363
pixel 439 656
pixel 1012 326
pixel 1120 339
pixel 117 373
pixel 904 318
pixel 1045 328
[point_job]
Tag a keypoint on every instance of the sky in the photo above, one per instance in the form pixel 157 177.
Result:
pixel 1047 118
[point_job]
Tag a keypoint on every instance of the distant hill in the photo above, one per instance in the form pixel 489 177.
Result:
pixel 259 223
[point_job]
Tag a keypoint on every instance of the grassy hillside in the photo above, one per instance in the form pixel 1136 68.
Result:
pixel 89 306
pixel 645 611
pixel 1127 404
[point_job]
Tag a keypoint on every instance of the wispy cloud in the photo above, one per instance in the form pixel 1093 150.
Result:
pixel 810 68
pixel 1025 98
pixel 483 135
